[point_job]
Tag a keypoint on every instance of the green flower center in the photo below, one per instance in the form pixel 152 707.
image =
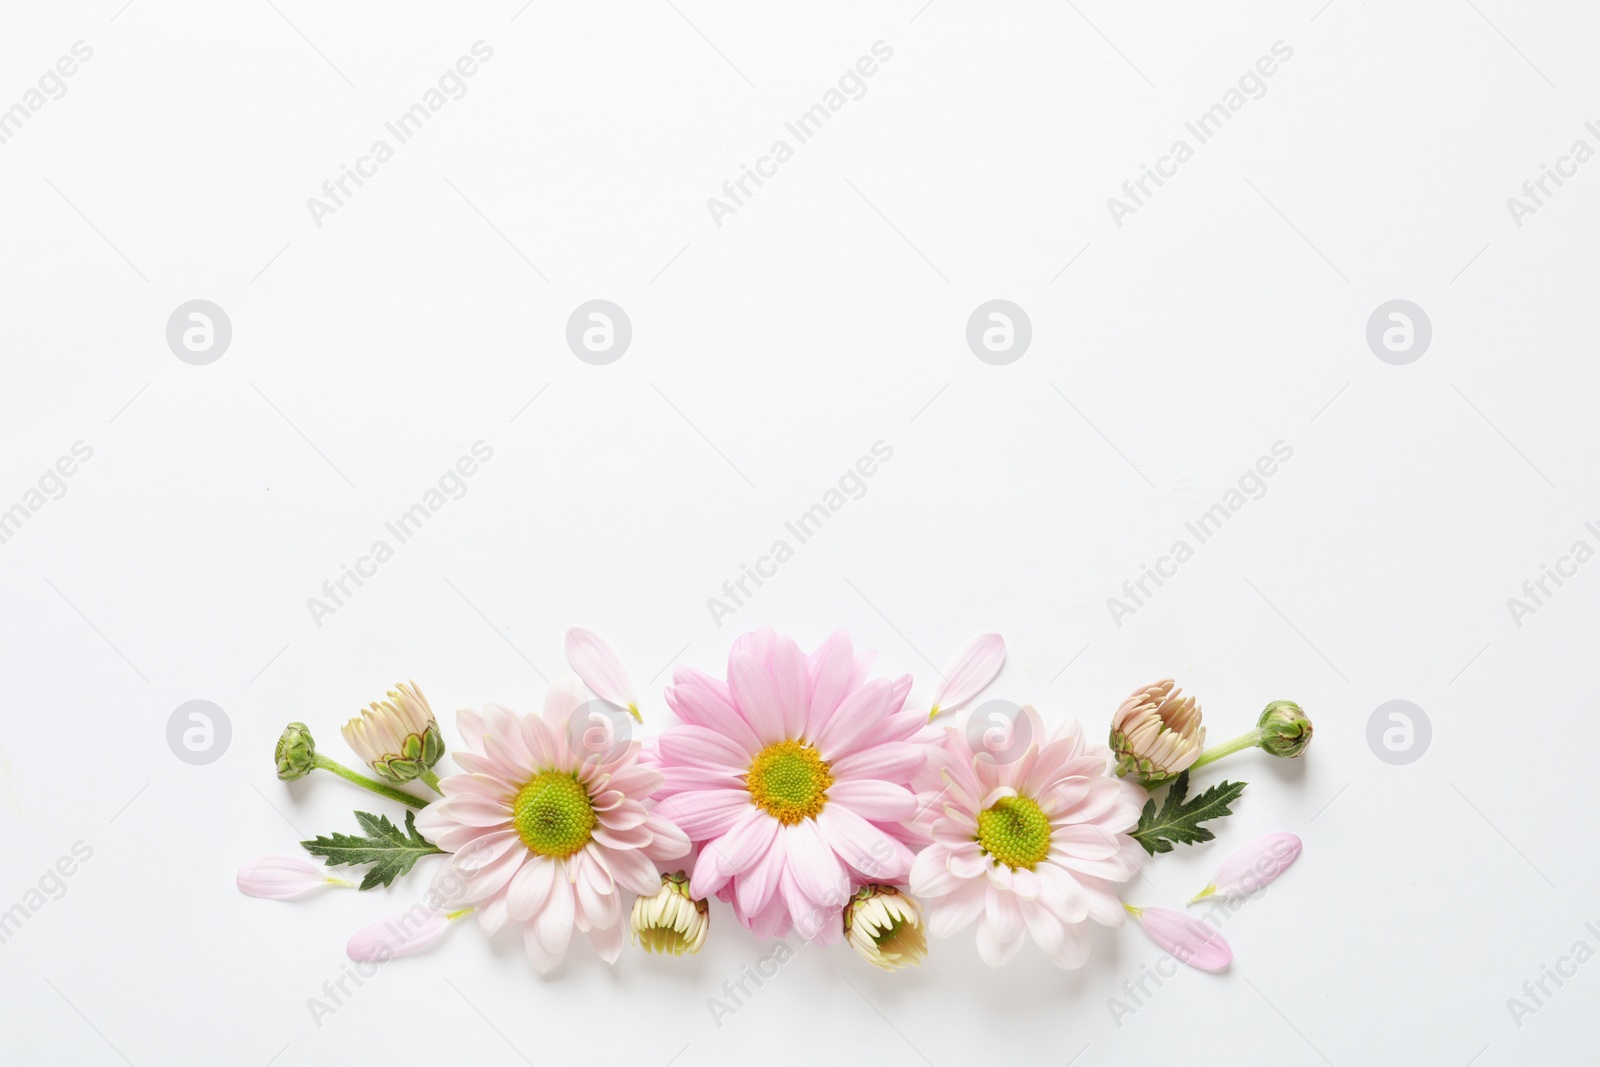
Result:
pixel 789 781
pixel 553 814
pixel 1015 831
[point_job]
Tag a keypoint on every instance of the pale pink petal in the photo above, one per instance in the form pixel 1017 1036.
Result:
pixel 699 705
pixel 755 696
pixel 697 746
pixel 830 678
pixel 948 915
pixel 733 852
pixel 1253 866
pixel 1074 950
pixel 757 885
pixel 895 761
pixel 816 870
pixel 1045 929
pixel 874 800
pixel 283 877
pixel 791 686
pixel 555 919
pixel 1188 939
pixel 608 941
pixel 855 718
pixel 600 668
pixel 530 888
pixel 975 668
pixel 1000 929
pixel 667 841
pixel 707 813
pixel 631 869
pixel 543 959
pixel 404 934
pixel 870 852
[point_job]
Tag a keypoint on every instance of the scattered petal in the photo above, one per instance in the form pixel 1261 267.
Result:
pixel 284 877
pixel 1252 866
pixel 601 669
pixel 1186 938
pixel 976 667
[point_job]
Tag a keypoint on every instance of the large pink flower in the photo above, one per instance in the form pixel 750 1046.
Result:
pixel 794 778
pixel 1035 846
pixel 546 836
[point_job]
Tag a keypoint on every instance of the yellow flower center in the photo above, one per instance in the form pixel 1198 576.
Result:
pixel 789 781
pixel 553 814
pixel 1015 831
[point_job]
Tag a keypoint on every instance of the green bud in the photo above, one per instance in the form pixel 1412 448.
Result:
pixel 296 752
pixel 1285 730
pixel 419 752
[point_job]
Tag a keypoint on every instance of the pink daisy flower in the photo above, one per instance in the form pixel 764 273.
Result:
pixel 794 778
pixel 544 836
pixel 1033 847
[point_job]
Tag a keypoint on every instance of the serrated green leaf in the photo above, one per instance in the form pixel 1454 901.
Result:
pixel 390 850
pixel 1179 820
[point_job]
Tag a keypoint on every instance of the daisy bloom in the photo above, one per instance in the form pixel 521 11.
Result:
pixel 542 836
pixel 794 776
pixel 884 926
pixel 1034 847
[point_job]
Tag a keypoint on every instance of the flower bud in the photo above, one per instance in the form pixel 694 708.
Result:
pixel 296 752
pixel 671 921
pixel 398 738
pixel 885 927
pixel 1157 733
pixel 1285 730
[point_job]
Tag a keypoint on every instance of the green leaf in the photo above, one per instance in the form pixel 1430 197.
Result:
pixel 391 851
pixel 1179 820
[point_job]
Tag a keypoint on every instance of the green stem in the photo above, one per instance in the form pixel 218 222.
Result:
pixel 1227 748
pixel 319 760
pixel 433 781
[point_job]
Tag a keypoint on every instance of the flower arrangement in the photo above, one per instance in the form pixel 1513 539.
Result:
pixel 799 789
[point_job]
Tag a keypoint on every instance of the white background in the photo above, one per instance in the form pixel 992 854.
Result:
pixel 828 313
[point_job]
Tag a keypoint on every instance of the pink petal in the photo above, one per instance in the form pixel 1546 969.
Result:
pixel 792 686
pixel 404 934
pixel 951 914
pixel 733 852
pixel 608 941
pixel 667 841
pixel 860 712
pixel 600 668
pixel 755 696
pixel 975 668
pixel 1000 928
pixel 869 851
pixel 530 888
pixel 816 870
pixel 282 877
pixel 1253 866
pixel 699 705
pixel 1188 939
pixel 706 813
pixel 874 800
pixel 697 746
pixel 830 678
pixel 896 761
pixel 554 921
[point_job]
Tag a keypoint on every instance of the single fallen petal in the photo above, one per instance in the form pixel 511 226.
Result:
pixel 1253 866
pixel 601 669
pixel 283 877
pixel 1186 938
pixel 976 667
pixel 404 934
